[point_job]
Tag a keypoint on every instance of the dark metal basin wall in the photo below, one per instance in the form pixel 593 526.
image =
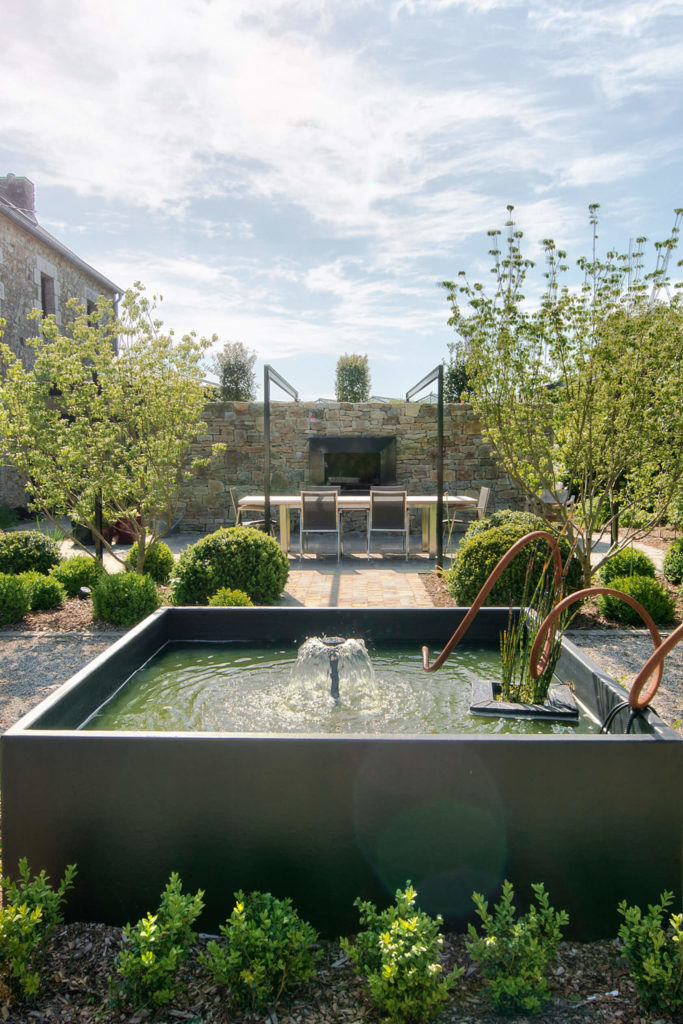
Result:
pixel 326 819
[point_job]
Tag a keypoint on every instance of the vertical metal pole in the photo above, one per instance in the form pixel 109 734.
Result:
pixel 439 470
pixel 98 527
pixel 266 449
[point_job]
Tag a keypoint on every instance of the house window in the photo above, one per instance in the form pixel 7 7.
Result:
pixel 91 307
pixel 47 294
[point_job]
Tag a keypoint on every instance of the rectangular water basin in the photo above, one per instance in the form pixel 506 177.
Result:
pixel 326 818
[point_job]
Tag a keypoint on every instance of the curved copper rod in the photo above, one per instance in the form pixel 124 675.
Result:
pixel 655 661
pixel 486 589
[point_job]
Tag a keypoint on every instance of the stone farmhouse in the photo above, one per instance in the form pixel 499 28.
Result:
pixel 36 270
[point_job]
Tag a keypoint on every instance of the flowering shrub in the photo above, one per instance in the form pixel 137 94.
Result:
pixel 398 952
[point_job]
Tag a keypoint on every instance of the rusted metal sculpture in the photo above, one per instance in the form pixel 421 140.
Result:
pixel 637 699
pixel 486 590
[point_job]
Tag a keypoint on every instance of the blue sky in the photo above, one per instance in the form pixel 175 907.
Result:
pixel 300 174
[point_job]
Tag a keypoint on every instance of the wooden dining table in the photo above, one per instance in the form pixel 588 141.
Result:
pixel 351 502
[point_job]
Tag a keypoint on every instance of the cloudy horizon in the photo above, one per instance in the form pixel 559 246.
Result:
pixel 299 175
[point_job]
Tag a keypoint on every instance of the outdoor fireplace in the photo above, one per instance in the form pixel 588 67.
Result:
pixel 354 462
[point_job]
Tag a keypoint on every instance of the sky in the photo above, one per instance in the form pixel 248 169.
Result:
pixel 300 175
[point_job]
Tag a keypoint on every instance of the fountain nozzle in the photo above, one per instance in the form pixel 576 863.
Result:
pixel 333 642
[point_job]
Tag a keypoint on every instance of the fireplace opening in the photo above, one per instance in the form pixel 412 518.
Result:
pixel 354 463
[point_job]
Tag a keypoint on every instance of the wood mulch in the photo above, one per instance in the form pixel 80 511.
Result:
pixel 588 982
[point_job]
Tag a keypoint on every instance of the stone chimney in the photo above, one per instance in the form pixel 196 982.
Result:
pixel 19 192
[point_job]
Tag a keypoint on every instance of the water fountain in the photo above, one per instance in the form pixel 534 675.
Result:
pixel 326 818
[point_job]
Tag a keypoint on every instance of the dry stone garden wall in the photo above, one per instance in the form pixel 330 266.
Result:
pixel 468 465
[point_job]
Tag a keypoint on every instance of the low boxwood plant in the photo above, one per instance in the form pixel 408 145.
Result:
pixel 673 562
pixel 650 593
pixel 514 952
pixel 78 571
pixel 27 550
pixel 159 562
pixel 147 967
pixel 237 557
pixel 627 562
pixel 484 544
pixel 267 950
pixel 32 909
pixel 124 598
pixel 14 598
pixel 227 598
pixel 45 592
pixel 654 950
pixel 398 953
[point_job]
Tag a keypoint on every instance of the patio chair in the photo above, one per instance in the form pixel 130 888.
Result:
pixel 257 523
pixel 319 514
pixel 551 502
pixel 388 513
pixel 458 517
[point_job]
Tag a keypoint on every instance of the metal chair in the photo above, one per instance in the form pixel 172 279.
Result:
pixel 552 501
pixel 478 512
pixel 388 513
pixel 255 524
pixel 319 514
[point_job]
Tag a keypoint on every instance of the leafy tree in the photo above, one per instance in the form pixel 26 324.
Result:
pixel 455 380
pixel 107 413
pixel 234 367
pixel 584 388
pixel 353 379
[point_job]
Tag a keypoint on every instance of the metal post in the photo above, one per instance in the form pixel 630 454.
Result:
pixel 436 375
pixel 266 449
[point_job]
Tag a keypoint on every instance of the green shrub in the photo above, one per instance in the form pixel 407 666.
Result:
pixel 227 598
pixel 125 598
pixel 14 598
pixel 239 558
pixel 8 517
pixel 673 561
pixel 654 954
pixel 159 562
pixel 651 594
pixel 26 551
pixel 147 968
pixel 484 545
pixel 32 909
pixel 514 952
pixel 398 953
pixel 78 571
pixel 44 592
pixel 627 562
pixel 267 950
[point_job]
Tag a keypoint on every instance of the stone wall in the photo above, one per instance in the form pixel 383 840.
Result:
pixel 23 259
pixel 468 465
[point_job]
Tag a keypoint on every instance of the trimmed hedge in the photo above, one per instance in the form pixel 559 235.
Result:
pixel 227 598
pixel 483 546
pixel 237 557
pixel 28 551
pixel 651 594
pixel 45 592
pixel 125 598
pixel 627 562
pixel 78 571
pixel 159 562
pixel 673 561
pixel 14 598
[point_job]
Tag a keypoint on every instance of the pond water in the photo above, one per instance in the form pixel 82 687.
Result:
pixel 271 688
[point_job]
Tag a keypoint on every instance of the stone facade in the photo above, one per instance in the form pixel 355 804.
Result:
pixel 206 501
pixel 36 270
